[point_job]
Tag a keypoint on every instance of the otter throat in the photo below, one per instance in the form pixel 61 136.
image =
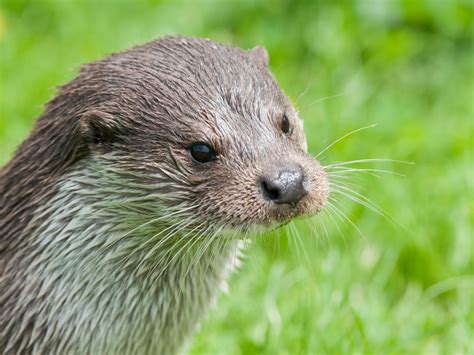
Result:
pixel 103 287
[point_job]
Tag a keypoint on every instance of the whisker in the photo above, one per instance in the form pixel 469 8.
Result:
pixel 154 220
pixel 326 232
pixel 176 254
pixel 202 249
pixel 360 199
pixel 331 208
pixel 367 202
pixel 380 160
pixel 312 225
pixel 340 170
pixel 208 244
pixel 339 213
pixel 322 99
pixel 303 93
pixel 195 239
pixel 345 181
pixel 291 239
pixel 331 215
pixel 345 136
pixel 298 237
pixel 172 229
pixel 220 244
pixel 343 169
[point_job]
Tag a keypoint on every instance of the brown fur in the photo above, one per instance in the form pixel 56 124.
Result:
pixel 143 108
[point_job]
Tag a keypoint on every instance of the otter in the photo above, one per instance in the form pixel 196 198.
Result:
pixel 125 210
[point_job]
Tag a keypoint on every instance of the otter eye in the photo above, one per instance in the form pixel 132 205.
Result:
pixel 202 152
pixel 285 125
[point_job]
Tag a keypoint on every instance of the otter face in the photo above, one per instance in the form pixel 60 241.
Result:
pixel 210 126
pixel 249 151
pixel 255 170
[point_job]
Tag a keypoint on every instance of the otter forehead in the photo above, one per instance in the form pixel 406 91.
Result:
pixel 194 87
pixel 186 75
pixel 239 102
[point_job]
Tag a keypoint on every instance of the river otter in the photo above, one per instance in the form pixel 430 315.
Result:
pixel 122 213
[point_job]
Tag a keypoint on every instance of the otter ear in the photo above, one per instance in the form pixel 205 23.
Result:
pixel 261 55
pixel 98 127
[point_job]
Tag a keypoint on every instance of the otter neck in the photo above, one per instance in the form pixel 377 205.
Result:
pixel 114 283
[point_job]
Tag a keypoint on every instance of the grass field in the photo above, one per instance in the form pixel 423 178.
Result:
pixel 399 283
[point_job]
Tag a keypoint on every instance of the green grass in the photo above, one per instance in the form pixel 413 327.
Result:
pixel 406 66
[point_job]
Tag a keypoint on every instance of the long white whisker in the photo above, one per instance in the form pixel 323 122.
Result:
pixel 342 215
pixel 171 229
pixel 193 240
pixel 344 170
pixel 208 244
pixel 331 215
pixel 380 160
pixel 154 220
pixel 345 136
pixel 303 93
pixel 292 240
pixel 344 181
pixel 321 99
pixel 361 199
pixel 325 230
pixel 298 236
pixel 178 253
pixel 201 248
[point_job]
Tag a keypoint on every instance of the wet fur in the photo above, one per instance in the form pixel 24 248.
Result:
pixel 83 266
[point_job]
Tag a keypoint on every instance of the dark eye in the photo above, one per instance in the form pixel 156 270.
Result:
pixel 202 152
pixel 285 125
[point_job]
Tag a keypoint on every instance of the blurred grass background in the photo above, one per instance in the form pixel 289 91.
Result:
pixel 406 66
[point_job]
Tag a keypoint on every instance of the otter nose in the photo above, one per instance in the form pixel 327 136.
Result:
pixel 285 185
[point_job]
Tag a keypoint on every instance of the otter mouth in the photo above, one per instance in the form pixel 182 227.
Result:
pixel 281 215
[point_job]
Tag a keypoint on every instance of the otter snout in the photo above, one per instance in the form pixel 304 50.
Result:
pixel 284 184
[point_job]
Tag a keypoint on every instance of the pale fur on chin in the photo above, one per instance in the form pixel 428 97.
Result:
pixel 92 299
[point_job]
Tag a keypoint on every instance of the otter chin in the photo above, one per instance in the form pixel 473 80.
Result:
pixel 123 212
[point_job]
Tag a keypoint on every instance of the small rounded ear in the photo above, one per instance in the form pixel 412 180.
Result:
pixel 98 127
pixel 261 55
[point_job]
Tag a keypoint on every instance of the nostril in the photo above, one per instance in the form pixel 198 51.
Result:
pixel 285 186
pixel 270 192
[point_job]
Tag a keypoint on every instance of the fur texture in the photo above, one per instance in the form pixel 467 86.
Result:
pixel 113 240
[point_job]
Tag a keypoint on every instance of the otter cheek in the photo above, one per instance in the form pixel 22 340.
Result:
pixel 304 142
pixel 319 186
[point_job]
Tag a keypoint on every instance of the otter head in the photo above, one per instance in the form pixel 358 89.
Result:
pixel 142 156
pixel 198 126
